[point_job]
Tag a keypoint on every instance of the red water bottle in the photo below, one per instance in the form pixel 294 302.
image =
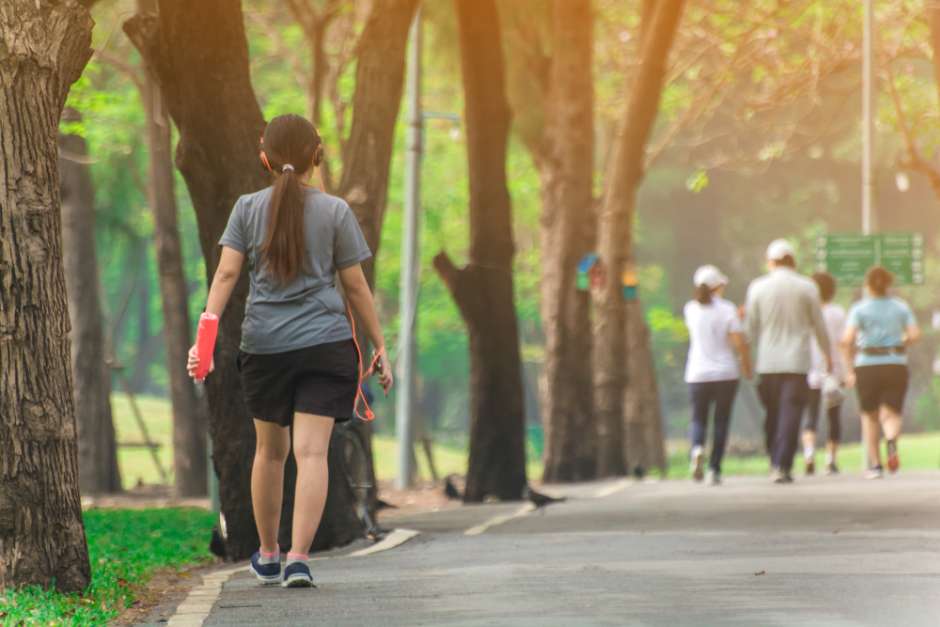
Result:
pixel 205 343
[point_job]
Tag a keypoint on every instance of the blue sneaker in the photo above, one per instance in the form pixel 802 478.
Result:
pixel 266 572
pixel 297 575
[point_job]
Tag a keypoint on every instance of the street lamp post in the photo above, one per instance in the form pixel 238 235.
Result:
pixel 404 400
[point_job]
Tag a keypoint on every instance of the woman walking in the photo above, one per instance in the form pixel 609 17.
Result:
pixel 712 370
pixel 879 331
pixel 298 359
pixel 825 389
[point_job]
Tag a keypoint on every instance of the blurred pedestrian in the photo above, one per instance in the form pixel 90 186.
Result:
pixel 879 331
pixel 716 345
pixel 825 389
pixel 784 314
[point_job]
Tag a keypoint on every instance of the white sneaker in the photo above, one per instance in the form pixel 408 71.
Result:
pixel 714 478
pixel 876 472
pixel 696 467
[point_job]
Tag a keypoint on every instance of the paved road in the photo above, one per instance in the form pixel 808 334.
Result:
pixel 828 551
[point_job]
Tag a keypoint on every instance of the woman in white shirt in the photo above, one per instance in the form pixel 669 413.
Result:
pixel 716 344
pixel 825 390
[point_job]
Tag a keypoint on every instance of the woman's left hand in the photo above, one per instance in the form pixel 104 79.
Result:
pixel 384 370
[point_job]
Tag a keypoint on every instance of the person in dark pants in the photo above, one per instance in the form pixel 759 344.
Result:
pixel 712 370
pixel 784 315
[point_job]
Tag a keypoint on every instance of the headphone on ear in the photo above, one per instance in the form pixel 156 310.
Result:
pixel 317 156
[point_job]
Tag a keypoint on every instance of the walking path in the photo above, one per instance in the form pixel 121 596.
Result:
pixel 837 551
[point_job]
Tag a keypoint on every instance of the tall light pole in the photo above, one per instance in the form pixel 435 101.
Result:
pixel 404 401
pixel 867 120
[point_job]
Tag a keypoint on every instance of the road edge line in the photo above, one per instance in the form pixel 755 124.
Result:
pixel 614 488
pixel 499 520
pixel 198 604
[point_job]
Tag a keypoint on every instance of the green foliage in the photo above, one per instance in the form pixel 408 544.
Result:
pixel 125 547
pixel 746 149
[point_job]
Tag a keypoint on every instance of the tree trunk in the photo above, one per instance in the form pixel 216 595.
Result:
pixel 97 452
pixel 616 231
pixel 483 290
pixel 143 353
pixel 644 447
pixel 43 48
pixel 199 55
pixel 189 423
pixel 367 156
pixel 567 231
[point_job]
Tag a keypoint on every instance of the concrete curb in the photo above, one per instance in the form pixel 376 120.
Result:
pixel 198 604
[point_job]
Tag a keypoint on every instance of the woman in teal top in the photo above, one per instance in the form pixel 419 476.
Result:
pixel 878 332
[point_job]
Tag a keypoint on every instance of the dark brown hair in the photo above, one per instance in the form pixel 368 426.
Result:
pixel 292 147
pixel 703 294
pixel 878 279
pixel 827 285
pixel 787 261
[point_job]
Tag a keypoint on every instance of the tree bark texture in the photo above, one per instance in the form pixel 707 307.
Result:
pixel 615 229
pixel 367 152
pixel 567 232
pixel 199 55
pixel 643 445
pixel 367 156
pixel 483 290
pixel 98 470
pixel 43 48
pixel 189 421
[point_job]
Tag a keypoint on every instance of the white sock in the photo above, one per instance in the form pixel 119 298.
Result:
pixel 808 452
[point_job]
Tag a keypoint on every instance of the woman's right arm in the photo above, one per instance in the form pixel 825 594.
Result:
pixel 739 341
pixel 363 307
pixel 848 353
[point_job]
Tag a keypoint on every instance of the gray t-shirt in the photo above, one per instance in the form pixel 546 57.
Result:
pixel 309 310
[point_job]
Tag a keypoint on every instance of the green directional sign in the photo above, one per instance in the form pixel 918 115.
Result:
pixel 848 256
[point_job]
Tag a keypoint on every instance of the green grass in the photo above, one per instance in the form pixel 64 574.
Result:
pixel 125 547
pixel 137 464
pixel 920 451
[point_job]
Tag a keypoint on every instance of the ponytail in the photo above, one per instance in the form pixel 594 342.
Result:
pixel 284 249
pixel 291 147
pixel 703 294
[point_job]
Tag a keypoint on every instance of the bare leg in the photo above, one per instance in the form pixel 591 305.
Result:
pixel 832 447
pixel 872 435
pixel 311 444
pixel 809 443
pixel 267 480
pixel 890 422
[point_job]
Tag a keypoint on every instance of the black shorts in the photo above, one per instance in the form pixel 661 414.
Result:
pixel 320 380
pixel 881 385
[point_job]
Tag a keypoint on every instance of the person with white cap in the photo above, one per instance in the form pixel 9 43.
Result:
pixel 784 316
pixel 712 370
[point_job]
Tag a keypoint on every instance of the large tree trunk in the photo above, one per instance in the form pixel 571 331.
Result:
pixel 43 48
pixel 199 55
pixel 367 155
pixel 643 443
pixel 483 290
pixel 616 230
pixel 566 235
pixel 189 428
pixel 97 451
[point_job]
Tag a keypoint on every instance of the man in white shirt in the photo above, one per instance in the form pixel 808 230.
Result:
pixel 783 317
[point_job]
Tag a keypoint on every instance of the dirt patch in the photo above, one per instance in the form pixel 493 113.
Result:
pixel 143 497
pixel 158 598
pixel 427 496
